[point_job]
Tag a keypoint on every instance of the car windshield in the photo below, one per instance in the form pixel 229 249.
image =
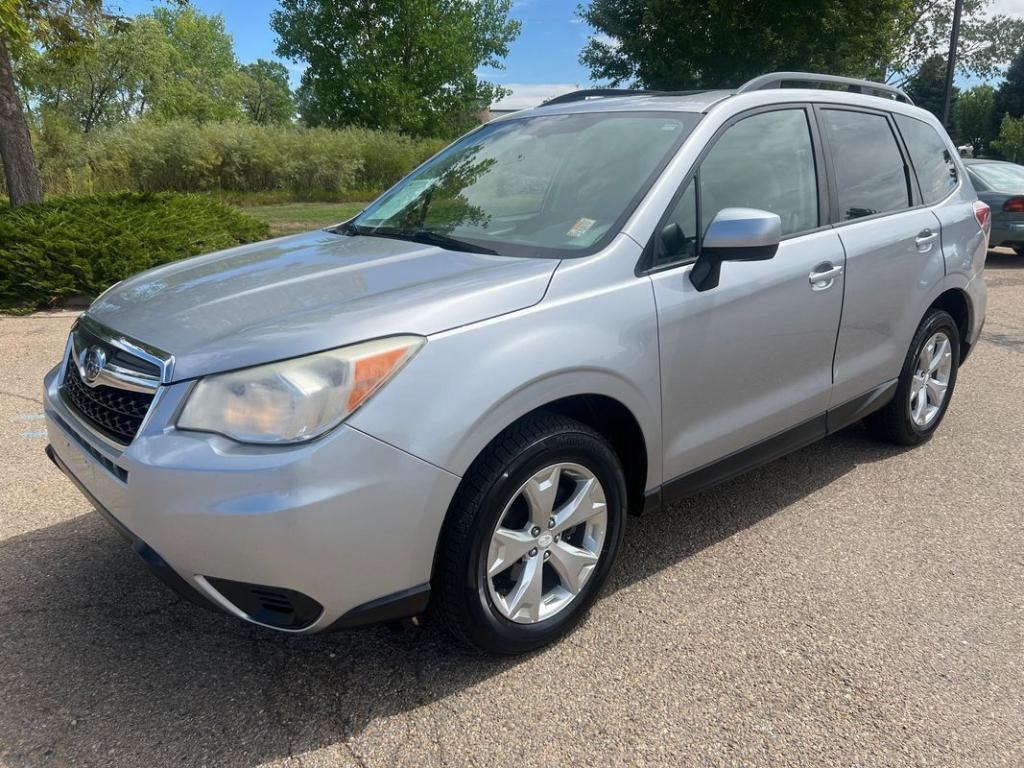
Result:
pixel 550 185
pixel 1003 177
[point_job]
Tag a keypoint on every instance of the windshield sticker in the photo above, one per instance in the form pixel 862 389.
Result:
pixel 580 228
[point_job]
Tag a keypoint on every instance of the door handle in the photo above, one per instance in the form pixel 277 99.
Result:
pixel 823 276
pixel 925 239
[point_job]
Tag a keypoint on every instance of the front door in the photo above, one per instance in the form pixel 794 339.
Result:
pixel 750 359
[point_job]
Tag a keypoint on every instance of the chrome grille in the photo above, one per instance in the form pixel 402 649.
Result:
pixel 110 381
pixel 117 413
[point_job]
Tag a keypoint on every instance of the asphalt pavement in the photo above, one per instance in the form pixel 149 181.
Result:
pixel 853 604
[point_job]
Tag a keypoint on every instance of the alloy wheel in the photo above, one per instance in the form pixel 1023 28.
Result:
pixel 547 543
pixel 930 383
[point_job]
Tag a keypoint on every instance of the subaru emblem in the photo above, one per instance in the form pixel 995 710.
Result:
pixel 95 360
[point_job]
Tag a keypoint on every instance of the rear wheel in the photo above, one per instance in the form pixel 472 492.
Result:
pixel 1019 249
pixel 925 385
pixel 531 536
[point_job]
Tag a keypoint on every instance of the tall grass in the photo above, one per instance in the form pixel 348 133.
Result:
pixel 282 162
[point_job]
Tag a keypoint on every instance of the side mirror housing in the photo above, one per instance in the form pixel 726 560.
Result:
pixel 735 234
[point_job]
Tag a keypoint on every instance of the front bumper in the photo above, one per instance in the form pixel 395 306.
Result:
pixel 347 521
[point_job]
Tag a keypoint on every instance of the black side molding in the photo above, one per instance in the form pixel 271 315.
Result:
pixel 737 463
pixel 856 409
pixel 773 448
pixel 399 605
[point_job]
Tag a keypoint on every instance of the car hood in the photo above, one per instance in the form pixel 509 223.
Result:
pixel 303 294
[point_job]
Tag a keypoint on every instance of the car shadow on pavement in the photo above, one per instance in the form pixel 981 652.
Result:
pixel 1002 259
pixel 101 665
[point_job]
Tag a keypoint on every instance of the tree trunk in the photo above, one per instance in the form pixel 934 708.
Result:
pixel 23 185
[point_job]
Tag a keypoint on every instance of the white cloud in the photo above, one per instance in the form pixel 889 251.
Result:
pixel 525 96
pixel 1008 7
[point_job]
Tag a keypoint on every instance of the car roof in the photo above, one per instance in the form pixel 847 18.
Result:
pixel 984 161
pixel 705 101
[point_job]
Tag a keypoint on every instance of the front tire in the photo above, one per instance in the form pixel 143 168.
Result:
pixel 925 385
pixel 531 536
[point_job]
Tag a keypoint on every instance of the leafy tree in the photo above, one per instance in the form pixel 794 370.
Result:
pixel 107 79
pixel 400 64
pixel 1010 143
pixel 928 86
pixel 202 80
pixel 53 25
pixel 266 96
pixel 1010 96
pixel 671 44
pixel 986 41
pixel 972 116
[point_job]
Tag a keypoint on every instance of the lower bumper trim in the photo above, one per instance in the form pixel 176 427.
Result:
pixel 149 556
pixel 400 605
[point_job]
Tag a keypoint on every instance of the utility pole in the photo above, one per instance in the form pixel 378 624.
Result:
pixel 954 38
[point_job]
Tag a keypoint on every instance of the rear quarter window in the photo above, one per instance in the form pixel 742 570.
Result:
pixel 933 162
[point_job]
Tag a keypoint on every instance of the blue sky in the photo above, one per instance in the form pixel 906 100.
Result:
pixel 543 61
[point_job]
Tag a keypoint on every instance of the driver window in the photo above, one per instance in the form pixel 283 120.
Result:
pixel 767 162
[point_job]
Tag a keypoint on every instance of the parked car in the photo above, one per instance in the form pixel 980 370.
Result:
pixel 1001 186
pixel 576 312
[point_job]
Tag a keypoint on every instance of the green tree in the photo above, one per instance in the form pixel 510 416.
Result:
pixel 671 44
pixel 986 40
pixel 928 86
pixel 53 25
pixel 201 80
pixel 1010 96
pixel 1010 143
pixel 972 117
pixel 107 78
pixel 408 65
pixel 266 96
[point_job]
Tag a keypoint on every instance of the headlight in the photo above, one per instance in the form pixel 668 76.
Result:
pixel 295 400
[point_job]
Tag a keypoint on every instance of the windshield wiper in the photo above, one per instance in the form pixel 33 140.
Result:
pixel 444 241
pixel 425 236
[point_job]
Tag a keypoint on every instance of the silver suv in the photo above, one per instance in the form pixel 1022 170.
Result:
pixel 570 314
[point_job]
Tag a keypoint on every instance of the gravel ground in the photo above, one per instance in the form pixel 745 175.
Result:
pixel 849 605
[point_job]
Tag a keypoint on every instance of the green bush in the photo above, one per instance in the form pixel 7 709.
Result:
pixel 183 156
pixel 79 246
pixel 1011 139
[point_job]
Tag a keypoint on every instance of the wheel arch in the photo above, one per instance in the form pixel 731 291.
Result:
pixel 957 303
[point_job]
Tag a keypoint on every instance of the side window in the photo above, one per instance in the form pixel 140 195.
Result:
pixel 677 240
pixel 933 162
pixel 765 161
pixel 870 174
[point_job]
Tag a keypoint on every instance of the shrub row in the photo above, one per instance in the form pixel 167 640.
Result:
pixel 79 246
pixel 182 156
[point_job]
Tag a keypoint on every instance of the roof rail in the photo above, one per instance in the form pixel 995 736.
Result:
pixel 594 93
pixel 777 79
pixel 602 93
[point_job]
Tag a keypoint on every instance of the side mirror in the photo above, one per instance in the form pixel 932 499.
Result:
pixel 735 234
pixel 672 238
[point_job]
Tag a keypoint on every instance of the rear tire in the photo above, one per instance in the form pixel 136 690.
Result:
pixel 512 575
pixel 1019 249
pixel 925 385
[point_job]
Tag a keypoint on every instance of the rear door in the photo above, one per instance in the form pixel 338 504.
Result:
pixel 939 179
pixel 892 243
pixel 750 359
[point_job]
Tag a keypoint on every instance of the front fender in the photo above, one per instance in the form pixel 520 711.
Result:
pixel 466 385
